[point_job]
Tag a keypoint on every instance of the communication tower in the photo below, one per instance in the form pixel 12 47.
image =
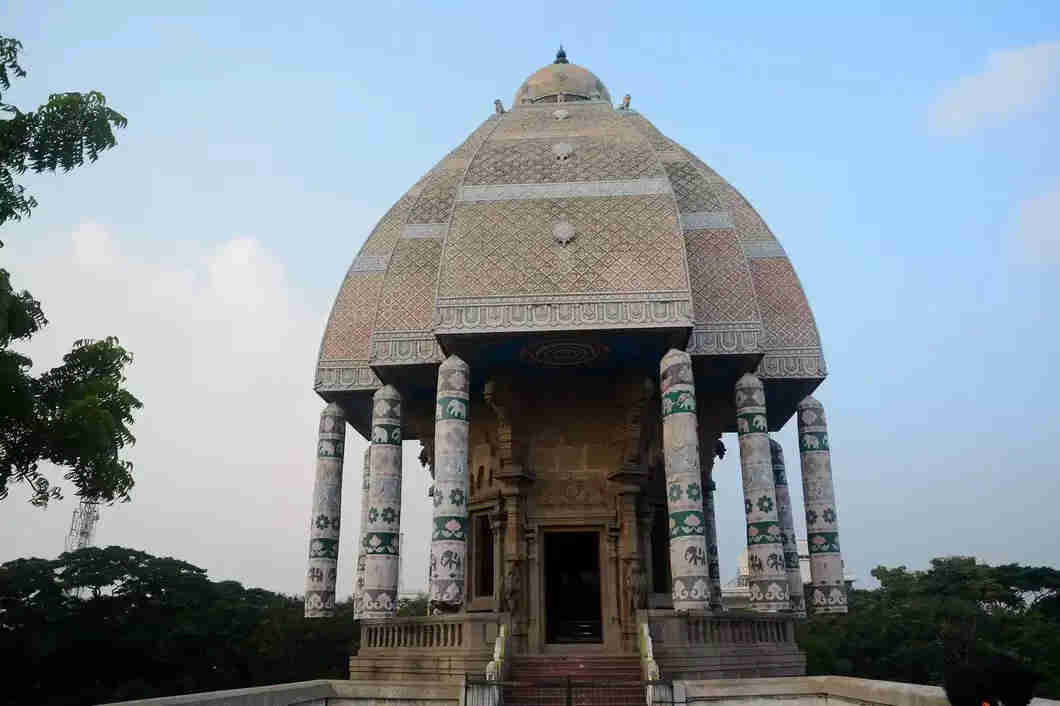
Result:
pixel 82 526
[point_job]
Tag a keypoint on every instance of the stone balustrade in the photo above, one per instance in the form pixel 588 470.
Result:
pixel 438 647
pixel 706 645
pixel 440 632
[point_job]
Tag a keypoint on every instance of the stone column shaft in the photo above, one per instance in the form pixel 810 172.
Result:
pixel 358 585
pixel 828 591
pixel 787 527
pixel 716 603
pixel 767 579
pixel 706 464
pixel 684 491
pixel 449 532
pixel 322 570
pixel 382 538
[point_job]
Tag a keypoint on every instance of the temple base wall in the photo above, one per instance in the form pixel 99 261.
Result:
pixel 438 649
pixel 704 645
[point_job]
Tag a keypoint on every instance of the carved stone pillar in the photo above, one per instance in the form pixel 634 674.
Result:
pixel 684 492
pixel 828 592
pixel 706 463
pixel 767 582
pixel 497 523
pixel 358 586
pixel 449 535
pixel 382 543
pixel 633 594
pixel 645 520
pixel 787 528
pixel 514 585
pixel 322 570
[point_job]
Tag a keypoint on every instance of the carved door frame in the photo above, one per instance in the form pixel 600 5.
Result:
pixel 539 579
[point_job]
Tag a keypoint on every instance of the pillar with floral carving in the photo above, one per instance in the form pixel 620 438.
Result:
pixel 684 490
pixel 322 569
pixel 767 580
pixel 827 590
pixel 449 530
pixel 787 528
pixel 382 538
pixel 358 583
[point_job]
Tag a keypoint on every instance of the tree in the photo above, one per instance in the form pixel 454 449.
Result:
pixel 76 415
pixel 918 624
pixel 120 624
pixel 60 134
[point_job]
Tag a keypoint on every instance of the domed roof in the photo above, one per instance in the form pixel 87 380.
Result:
pixel 573 217
pixel 561 81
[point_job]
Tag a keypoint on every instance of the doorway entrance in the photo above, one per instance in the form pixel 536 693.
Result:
pixel 572 587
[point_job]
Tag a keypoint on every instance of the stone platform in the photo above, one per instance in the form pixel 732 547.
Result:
pixel 787 691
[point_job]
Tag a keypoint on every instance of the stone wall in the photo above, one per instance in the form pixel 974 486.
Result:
pixel 812 691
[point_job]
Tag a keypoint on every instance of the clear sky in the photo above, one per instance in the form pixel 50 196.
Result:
pixel 906 155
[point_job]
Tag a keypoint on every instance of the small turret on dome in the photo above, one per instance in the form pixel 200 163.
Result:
pixel 561 82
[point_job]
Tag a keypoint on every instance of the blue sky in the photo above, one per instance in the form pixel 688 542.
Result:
pixel 906 155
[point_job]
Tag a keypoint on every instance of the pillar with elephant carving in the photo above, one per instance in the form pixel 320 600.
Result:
pixel 827 589
pixel 382 536
pixel 767 580
pixel 449 530
pixel 684 490
pixel 322 569
pixel 358 584
pixel 787 528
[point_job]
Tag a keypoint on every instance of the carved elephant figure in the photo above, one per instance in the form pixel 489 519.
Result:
pixel 450 560
pixel 810 441
pixel 686 401
pixel 759 422
pixel 695 556
pixel 668 404
pixel 380 434
pixel 457 408
pixel 742 426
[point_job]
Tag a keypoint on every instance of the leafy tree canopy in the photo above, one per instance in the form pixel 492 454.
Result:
pixel 76 415
pixel 119 624
pixel 61 134
pixel 918 622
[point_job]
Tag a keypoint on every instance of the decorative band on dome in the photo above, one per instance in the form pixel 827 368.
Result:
pixel 563 190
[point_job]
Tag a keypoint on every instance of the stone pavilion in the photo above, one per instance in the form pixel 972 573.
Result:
pixel 567 312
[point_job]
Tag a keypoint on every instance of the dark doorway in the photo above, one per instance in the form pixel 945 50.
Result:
pixel 572 587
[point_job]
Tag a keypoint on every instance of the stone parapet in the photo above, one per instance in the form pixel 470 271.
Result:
pixel 704 645
pixel 320 692
pixel 812 691
pixel 439 648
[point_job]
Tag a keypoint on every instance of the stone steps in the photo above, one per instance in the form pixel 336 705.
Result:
pixel 596 681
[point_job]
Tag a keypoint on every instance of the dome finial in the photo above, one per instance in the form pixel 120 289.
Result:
pixel 561 56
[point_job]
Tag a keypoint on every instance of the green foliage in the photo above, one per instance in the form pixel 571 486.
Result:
pixel 917 622
pixel 77 415
pixel 147 626
pixel 411 607
pixel 61 134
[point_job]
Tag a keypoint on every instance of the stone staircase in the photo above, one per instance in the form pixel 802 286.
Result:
pixel 594 680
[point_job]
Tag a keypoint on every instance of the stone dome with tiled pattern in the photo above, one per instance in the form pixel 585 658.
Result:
pixel 568 215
